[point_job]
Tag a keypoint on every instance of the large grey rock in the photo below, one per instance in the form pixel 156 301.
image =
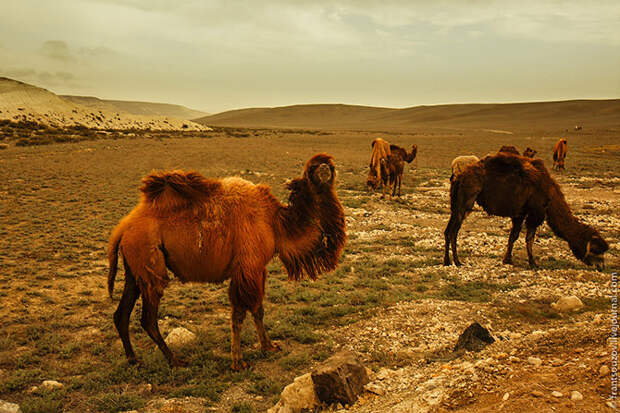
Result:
pixel 297 397
pixel 474 338
pixel 340 379
pixel 6 407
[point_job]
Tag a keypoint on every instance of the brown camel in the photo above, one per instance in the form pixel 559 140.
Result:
pixel 529 152
pixel 520 188
pixel 380 150
pixel 393 166
pixel 559 154
pixel 460 163
pixel 211 230
pixel 509 149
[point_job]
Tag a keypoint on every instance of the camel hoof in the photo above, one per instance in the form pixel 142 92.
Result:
pixel 238 366
pixel 507 261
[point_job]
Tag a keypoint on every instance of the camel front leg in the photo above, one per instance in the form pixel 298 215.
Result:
pixel 529 242
pixel 236 321
pixel 514 235
pixel 265 343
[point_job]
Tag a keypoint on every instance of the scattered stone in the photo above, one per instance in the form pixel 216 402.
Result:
pixel 556 362
pixel 506 396
pixel 603 371
pixel 474 338
pixel 575 395
pixel 180 337
pixel 297 396
pixel 557 394
pixel 341 378
pixel 567 304
pixel 6 407
pixel 598 319
pixel 537 393
pixel 177 405
pixel 374 388
pixel 51 385
pixel 536 335
pixel 535 361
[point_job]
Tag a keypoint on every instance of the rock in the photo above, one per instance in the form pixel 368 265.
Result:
pixel 474 338
pixel 506 396
pixel 598 319
pixel 556 362
pixel 341 378
pixel 6 407
pixel 297 396
pixel 603 371
pixel 557 394
pixel 375 388
pixel 537 393
pixel 575 395
pixel 180 337
pixel 536 335
pixel 611 405
pixel 535 361
pixel 177 405
pixel 567 304
pixel 51 385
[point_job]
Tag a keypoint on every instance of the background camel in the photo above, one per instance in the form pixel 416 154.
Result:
pixel 459 164
pixel 529 152
pixel 380 150
pixel 211 230
pixel 559 154
pixel 509 149
pixel 522 189
pixel 393 166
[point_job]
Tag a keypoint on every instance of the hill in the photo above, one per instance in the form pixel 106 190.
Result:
pixel 136 108
pixel 500 117
pixel 23 102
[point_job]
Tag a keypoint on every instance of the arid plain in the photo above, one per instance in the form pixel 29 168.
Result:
pixel 391 299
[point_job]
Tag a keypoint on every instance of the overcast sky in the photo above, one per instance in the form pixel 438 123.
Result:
pixel 219 55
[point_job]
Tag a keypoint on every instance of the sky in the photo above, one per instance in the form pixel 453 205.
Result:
pixel 221 55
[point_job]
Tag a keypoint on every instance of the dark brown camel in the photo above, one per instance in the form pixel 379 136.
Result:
pixel 519 188
pixel 212 230
pixel 393 166
pixel 529 152
pixel 509 149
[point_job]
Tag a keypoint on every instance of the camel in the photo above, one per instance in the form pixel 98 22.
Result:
pixel 393 166
pixel 509 149
pixel 460 163
pixel 211 230
pixel 520 188
pixel 380 150
pixel 559 154
pixel 529 152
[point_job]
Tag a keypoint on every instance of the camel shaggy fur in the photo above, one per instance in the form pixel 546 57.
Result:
pixel 212 230
pixel 460 163
pixel 519 188
pixel 559 154
pixel 509 149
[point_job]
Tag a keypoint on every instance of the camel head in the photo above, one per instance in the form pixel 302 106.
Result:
pixel 412 154
pixel 320 172
pixel 595 248
pixel 529 152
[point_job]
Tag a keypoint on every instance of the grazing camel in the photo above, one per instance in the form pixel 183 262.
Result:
pixel 529 152
pixel 519 188
pixel 559 154
pixel 509 149
pixel 380 150
pixel 211 230
pixel 460 163
pixel 393 166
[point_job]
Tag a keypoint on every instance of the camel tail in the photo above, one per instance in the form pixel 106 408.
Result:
pixel 115 240
pixel 454 194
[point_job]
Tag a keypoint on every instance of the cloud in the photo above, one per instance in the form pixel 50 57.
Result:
pixel 57 50
pixel 40 77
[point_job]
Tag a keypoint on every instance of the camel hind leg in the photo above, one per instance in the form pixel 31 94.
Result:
pixel 533 221
pixel 123 313
pixel 265 343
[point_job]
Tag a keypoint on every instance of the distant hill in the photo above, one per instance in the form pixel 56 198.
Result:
pixel 501 117
pixel 23 102
pixel 136 108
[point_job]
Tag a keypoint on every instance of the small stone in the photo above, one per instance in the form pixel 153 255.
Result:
pixel 575 395
pixel 535 361
pixel 6 407
pixel 536 335
pixel 603 371
pixel 537 393
pixel 374 388
pixel 598 319
pixel 179 337
pixel 567 304
pixel 556 394
pixel 556 362
pixel 51 384
pixel 506 396
pixel 611 405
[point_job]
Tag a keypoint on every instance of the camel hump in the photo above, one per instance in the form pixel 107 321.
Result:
pixel 505 163
pixel 166 185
